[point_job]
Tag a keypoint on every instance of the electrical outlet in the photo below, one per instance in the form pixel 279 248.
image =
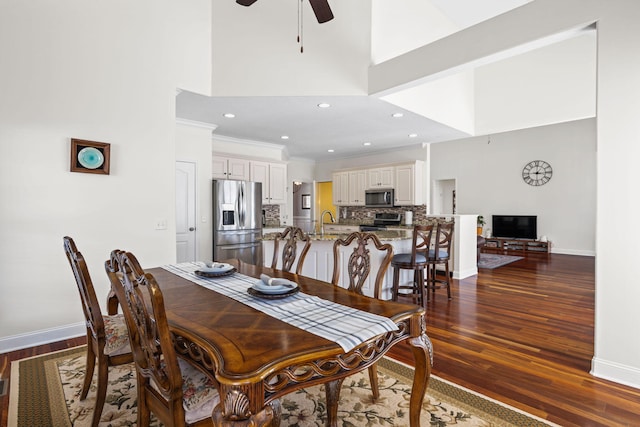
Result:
pixel 161 224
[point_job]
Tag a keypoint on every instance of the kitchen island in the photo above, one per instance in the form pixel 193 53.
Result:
pixel 319 261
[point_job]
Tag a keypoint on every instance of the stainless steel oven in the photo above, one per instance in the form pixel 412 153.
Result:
pixel 379 198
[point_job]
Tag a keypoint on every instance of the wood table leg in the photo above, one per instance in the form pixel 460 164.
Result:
pixel 233 411
pixel 332 391
pixel 423 356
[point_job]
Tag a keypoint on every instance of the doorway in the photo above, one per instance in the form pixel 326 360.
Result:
pixel 444 197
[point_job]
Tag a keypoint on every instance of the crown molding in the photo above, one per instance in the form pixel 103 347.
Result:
pixel 223 138
pixel 197 124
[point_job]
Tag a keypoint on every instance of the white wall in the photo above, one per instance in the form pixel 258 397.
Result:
pixel 90 70
pixel 553 84
pixel 255 50
pixel 400 26
pixel 488 174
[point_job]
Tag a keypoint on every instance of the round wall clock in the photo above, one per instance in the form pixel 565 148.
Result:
pixel 537 172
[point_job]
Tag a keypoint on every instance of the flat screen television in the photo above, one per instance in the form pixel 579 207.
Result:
pixel 515 226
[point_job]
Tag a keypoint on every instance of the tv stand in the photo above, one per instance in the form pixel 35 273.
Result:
pixel 521 247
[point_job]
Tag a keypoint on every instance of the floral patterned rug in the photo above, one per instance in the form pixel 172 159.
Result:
pixel 45 392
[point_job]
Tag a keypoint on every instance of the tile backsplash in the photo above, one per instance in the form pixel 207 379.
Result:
pixel 364 215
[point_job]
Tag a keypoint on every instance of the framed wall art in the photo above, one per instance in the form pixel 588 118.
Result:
pixel 90 156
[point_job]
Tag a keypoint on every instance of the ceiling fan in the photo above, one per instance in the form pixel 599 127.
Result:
pixel 321 8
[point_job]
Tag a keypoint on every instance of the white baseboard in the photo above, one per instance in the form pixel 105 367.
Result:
pixel 463 274
pixel 572 252
pixel 615 372
pixel 45 336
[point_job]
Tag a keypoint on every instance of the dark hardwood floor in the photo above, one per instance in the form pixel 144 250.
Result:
pixel 521 334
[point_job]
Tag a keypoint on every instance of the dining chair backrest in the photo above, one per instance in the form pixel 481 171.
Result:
pixel 291 236
pixel 159 373
pixel 90 306
pixel 359 265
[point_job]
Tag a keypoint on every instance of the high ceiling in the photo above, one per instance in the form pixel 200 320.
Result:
pixel 347 124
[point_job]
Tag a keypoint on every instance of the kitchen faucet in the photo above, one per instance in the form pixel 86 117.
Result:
pixel 322 220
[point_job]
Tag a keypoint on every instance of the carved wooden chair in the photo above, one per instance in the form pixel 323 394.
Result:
pixel 290 236
pixel 174 390
pixel 440 255
pixel 417 261
pixel 107 337
pixel 358 270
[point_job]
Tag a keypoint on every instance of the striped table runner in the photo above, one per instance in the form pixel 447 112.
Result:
pixel 346 326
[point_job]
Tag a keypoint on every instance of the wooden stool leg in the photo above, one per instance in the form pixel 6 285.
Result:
pixel 396 283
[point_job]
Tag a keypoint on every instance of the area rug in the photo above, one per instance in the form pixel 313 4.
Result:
pixel 491 261
pixel 45 393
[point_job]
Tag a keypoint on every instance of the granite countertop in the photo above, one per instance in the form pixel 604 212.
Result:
pixel 386 235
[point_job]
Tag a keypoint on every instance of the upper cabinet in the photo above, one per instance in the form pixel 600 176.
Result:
pixel 408 184
pixel 380 177
pixel 357 186
pixel 230 168
pixel 340 188
pixel 406 178
pixel 273 177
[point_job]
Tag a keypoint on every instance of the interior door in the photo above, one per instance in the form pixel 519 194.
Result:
pixel 185 211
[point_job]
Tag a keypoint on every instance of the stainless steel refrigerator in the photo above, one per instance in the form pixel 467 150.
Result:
pixel 237 221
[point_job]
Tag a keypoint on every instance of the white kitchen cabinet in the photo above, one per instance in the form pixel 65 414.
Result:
pixel 408 184
pixel 380 177
pixel 273 177
pixel 357 186
pixel 230 168
pixel 340 189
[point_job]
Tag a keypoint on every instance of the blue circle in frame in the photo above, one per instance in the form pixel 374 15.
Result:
pixel 90 158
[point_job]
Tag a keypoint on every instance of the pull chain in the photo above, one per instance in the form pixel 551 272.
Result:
pixel 300 26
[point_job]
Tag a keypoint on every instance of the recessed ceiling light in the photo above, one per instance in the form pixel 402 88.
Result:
pixel 366 143
pixel 284 137
pixel 397 115
pixel 413 135
pixel 229 115
pixel 324 105
pixel 330 150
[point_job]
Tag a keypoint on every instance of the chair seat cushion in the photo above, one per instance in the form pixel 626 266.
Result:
pixel 117 335
pixel 406 259
pixel 199 393
pixel 441 254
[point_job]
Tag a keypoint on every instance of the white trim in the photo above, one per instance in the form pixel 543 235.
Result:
pixel 43 336
pixel 223 138
pixel 616 372
pixel 197 124
pixel 572 252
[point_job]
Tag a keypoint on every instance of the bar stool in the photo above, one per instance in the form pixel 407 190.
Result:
pixel 417 261
pixel 440 255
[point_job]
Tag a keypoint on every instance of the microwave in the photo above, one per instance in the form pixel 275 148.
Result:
pixel 379 198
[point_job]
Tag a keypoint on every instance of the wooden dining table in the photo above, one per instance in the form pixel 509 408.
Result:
pixel 256 358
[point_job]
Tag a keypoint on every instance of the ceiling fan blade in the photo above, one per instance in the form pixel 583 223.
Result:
pixel 246 2
pixel 322 10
